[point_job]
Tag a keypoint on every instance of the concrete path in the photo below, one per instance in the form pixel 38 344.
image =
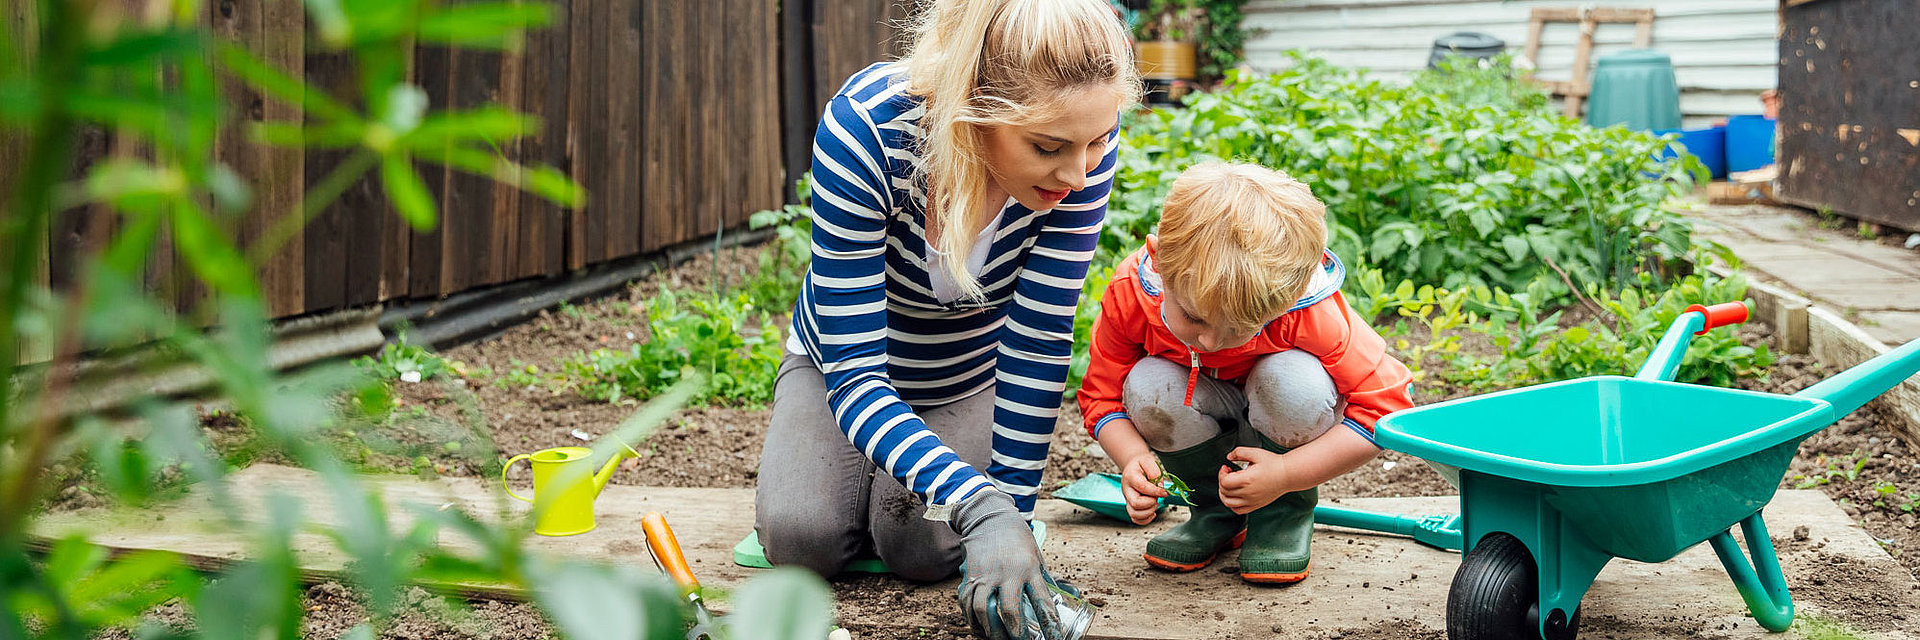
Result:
pixel 1363 585
pixel 1874 285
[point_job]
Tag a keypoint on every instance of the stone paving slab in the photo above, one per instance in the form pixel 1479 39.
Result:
pixel 1363 585
pixel 1876 285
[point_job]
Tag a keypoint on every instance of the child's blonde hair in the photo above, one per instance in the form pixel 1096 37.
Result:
pixel 981 63
pixel 1240 241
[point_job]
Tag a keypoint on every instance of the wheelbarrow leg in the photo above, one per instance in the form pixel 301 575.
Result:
pixel 1765 593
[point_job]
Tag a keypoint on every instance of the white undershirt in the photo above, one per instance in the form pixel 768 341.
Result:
pixel 945 289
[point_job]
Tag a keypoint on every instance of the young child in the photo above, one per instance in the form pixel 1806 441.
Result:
pixel 1225 342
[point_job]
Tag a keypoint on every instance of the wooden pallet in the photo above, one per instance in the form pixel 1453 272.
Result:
pixel 1579 85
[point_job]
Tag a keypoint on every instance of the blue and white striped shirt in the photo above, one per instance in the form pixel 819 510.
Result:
pixel 867 314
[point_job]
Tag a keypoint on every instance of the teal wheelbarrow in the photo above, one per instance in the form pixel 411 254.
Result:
pixel 1608 467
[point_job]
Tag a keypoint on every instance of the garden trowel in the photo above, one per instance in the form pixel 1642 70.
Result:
pixel 667 556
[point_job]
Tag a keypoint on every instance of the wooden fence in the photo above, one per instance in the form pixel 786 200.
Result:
pixel 679 118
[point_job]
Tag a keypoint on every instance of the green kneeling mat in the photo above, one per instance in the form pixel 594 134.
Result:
pixel 749 553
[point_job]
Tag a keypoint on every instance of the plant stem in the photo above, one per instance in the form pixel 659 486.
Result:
pixel 49 147
pixel 311 205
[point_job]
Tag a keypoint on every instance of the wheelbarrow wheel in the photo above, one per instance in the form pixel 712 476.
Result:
pixel 1494 595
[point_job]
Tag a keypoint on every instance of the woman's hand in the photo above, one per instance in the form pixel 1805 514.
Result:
pixel 1002 567
pixel 1142 493
pixel 1263 480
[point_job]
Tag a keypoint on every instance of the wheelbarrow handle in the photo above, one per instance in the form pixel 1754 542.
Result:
pixel 1720 315
pixel 1850 389
pixel 1696 320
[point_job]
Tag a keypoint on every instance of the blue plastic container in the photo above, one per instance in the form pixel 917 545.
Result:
pixel 1749 142
pixel 1709 145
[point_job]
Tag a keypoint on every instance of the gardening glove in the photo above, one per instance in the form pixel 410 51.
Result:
pixel 1002 566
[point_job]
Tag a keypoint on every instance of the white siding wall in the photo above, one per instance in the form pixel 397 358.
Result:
pixel 1724 51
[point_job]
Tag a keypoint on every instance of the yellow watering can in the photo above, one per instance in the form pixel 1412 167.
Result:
pixel 564 487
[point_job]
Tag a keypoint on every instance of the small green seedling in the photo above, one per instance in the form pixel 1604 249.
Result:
pixel 1174 486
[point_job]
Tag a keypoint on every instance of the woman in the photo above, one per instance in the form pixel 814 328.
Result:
pixel 958 195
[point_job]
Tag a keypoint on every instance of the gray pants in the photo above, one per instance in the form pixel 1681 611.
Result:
pixel 821 503
pixel 1288 397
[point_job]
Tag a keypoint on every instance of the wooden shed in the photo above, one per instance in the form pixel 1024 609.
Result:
pixel 1850 109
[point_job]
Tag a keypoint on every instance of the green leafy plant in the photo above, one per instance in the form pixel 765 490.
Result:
pixel 730 342
pixel 1423 185
pixel 1529 345
pixel 401 360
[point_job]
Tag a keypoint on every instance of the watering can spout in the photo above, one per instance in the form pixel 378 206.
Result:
pixel 601 477
pixel 1856 386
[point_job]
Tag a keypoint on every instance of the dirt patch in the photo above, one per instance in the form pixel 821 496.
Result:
pixel 885 608
pixel 333 609
pixel 1845 588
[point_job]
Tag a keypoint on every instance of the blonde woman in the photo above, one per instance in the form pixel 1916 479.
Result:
pixel 958 196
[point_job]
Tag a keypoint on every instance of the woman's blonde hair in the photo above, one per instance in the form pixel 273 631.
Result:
pixel 983 63
pixel 1240 242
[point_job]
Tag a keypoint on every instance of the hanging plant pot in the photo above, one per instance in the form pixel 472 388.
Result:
pixel 1165 59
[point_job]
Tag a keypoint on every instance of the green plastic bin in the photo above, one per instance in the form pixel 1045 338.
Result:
pixel 1634 88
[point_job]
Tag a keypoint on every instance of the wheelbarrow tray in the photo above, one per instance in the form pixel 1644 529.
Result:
pixel 1643 468
pixel 1603 431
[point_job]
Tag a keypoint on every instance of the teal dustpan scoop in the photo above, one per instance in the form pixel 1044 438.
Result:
pixel 1100 493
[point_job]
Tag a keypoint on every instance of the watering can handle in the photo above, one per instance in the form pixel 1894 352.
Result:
pixel 666 550
pixel 503 475
pixel 1720 315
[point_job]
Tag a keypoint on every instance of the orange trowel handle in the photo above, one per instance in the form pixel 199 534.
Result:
pixel 666 550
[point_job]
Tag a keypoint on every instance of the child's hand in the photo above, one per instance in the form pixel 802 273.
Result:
pixel 1142 493
pixel 1262 481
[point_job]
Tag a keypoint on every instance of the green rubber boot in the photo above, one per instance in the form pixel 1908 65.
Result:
pixel 1278 549
pixel 1193 544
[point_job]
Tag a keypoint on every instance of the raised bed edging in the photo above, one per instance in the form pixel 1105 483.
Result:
pixel 1802 327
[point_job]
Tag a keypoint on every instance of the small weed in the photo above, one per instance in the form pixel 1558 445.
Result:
pixel 1174 486
pixel 1829 220
pixel 1866 231
pixel 519 375
pixel 1823 628
pixel 404 361
pixel 1890 498
pixel 1842 470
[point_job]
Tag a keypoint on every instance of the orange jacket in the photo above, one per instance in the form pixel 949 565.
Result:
pixel 1130 328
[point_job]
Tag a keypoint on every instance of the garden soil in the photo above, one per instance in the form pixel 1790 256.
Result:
pixel 1869 473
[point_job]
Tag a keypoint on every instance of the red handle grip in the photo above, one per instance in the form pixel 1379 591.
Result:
pixel 1720 315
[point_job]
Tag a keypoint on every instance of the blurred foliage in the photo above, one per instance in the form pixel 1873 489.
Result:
pixel 154 80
